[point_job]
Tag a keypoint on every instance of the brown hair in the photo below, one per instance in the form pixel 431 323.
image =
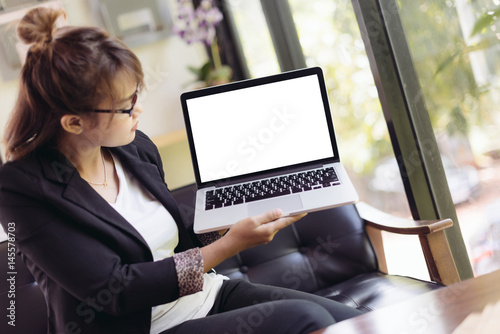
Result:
pixel 68 70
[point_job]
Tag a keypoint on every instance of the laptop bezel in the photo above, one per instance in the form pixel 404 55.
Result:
pixel 250 83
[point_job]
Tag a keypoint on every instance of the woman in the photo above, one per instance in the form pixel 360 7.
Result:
pixel 95 222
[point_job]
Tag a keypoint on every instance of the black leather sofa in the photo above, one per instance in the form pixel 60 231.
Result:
pixel 328 253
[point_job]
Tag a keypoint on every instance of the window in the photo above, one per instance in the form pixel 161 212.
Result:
pixel 330 38
pixel 455 46
pixel 254 35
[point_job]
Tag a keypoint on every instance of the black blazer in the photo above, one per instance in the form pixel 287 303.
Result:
pixel 95 269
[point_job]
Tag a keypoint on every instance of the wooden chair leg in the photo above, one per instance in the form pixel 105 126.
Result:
pixel 440 263
pixel 375 236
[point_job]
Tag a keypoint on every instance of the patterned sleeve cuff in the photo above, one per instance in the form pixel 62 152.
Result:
pixel 189 268
pixel 208 238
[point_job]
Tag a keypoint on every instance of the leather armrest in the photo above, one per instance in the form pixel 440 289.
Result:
pixel 435 247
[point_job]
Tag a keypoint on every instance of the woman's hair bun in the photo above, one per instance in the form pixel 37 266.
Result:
pixel 37 25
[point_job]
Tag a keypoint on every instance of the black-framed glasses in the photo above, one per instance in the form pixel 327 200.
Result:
pixel 123 111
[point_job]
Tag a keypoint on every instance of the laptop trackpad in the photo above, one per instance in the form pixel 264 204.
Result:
pixel 287 204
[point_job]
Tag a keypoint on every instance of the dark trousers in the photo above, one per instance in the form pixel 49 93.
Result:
pixel 243 308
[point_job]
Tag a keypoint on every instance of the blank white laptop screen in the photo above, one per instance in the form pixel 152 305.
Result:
pixel 259 128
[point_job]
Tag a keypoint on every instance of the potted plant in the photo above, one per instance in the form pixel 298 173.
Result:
pixel 198 26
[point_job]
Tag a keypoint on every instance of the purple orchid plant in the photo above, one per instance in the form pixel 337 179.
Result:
pixel 198 26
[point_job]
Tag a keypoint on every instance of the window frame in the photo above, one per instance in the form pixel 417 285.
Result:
pixel 284 34
pixel 408 120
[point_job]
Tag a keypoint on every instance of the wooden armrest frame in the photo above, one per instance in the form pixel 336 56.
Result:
pixel 437 254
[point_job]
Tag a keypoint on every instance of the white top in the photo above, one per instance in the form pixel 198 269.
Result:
pixel 150 218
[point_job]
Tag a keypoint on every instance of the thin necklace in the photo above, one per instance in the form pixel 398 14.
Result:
pixel 105 183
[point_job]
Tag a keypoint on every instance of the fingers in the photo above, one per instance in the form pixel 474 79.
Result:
pixel 273 219
pixel 258 230
pixel 269 216
pixel 285 221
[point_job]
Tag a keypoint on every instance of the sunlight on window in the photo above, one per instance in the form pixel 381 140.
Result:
pixel 255 38
pixel 330 38
pixel 455 48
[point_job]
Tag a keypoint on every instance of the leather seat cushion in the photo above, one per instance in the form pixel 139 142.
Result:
pixel 374 290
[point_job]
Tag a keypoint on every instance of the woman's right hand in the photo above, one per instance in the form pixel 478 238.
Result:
pixel 246 233
pixel 258 230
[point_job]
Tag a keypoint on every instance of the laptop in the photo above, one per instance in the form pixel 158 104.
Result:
pixel 261 144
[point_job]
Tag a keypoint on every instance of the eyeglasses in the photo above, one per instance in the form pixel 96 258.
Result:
pixel 124 111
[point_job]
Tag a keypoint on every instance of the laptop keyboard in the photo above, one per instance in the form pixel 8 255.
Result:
pixel 268 188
